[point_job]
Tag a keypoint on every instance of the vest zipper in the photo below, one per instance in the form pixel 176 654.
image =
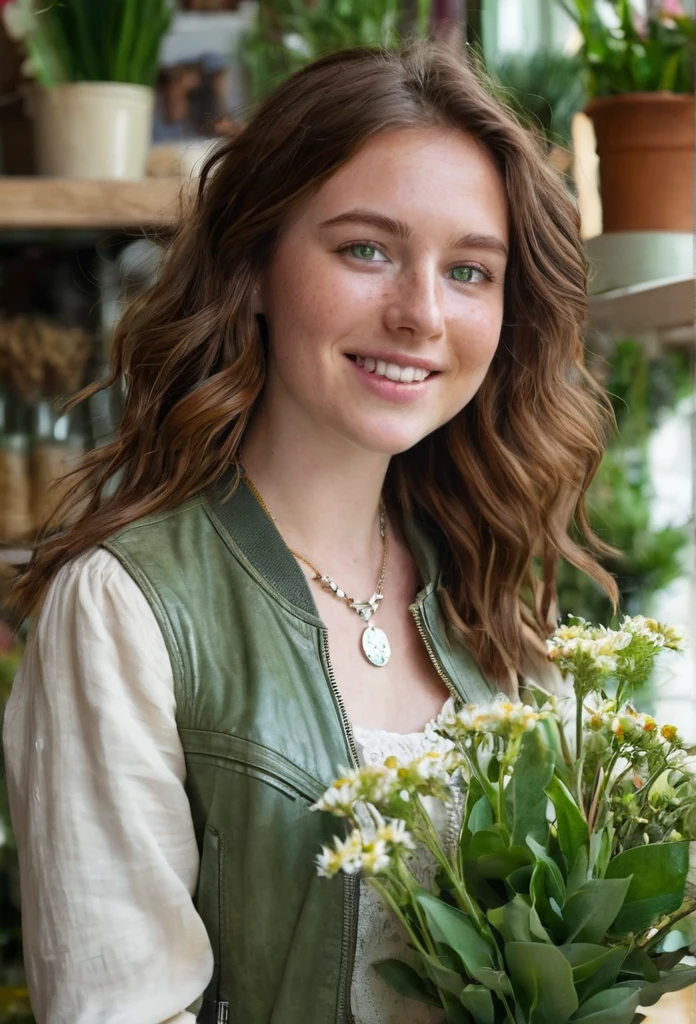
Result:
pixel 418 617
pixel 350 882
pixel 223 1013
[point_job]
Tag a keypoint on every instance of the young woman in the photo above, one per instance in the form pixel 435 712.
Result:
pixel 357 429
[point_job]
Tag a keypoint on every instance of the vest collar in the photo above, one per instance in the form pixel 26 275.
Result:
pixel 259 540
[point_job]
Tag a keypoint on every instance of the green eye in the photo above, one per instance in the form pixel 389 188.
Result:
pixel 363 252
pixel 464 274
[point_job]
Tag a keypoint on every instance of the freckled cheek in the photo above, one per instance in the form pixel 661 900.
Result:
pixel 474 339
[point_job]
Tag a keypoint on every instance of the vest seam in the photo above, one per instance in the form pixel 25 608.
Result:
pixel 176 659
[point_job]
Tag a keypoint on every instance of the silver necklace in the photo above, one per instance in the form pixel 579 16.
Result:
pixel 374 641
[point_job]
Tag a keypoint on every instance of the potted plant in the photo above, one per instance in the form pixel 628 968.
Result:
pixel 640 76
pixel 94 67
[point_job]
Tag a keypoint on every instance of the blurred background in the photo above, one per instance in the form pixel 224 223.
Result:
pixel 107 109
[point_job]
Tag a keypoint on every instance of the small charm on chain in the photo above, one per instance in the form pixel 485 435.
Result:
pixel 366 609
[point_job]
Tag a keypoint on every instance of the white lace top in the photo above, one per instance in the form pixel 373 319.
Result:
pixel 379 934
pixel 108 856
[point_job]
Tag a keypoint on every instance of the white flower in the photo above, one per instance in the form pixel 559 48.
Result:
pixel 19 19
pixel 345 856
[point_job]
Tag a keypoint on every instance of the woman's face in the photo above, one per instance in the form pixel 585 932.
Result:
pixel 384 296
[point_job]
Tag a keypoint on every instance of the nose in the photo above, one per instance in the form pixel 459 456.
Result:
pixel 414 304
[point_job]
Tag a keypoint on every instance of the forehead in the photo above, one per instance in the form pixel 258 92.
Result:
pixel 435 178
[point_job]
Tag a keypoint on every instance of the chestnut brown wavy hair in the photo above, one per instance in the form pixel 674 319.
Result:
pixel 504 480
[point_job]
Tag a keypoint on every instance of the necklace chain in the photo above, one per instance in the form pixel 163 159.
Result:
pixel 364 608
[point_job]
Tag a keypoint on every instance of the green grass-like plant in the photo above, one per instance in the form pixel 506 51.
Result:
pixel 104 41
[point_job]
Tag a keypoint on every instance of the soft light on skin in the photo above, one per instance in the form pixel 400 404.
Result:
pixel 402 252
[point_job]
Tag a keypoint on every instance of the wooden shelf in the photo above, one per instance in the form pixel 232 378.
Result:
pixel 661 305
pixel 49 203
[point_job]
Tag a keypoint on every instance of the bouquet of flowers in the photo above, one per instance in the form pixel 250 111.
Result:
pixel 554 902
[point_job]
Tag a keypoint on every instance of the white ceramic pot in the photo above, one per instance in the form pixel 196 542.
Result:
pixel 96 130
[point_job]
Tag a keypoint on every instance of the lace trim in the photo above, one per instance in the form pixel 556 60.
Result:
pixel 379 936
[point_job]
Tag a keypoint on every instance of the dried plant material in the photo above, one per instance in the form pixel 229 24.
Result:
pixel 15 490
pixel 39 358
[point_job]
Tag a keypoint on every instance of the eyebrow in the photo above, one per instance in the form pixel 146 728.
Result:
pixel 401 230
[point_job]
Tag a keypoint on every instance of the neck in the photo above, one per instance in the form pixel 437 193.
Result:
pixel 323 492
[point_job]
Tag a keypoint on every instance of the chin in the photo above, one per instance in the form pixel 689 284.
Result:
pixel 386 440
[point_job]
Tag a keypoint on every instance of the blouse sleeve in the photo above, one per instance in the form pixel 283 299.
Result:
pixel 95 772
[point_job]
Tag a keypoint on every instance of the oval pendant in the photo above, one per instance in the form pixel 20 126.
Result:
pixel 375 645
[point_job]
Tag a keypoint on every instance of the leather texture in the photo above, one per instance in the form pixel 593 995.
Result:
pixel 264 733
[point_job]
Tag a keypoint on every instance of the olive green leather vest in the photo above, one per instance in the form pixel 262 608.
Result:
pixel 264 732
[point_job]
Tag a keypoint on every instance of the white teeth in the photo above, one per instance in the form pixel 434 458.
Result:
pixel 400 374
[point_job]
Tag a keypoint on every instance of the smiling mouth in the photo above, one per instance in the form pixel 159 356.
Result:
pixel 392 371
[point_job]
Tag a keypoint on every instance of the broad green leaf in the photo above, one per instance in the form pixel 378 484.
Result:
pixel 512 920
pixel 657 881
pixel 496 981
pixel 539 933
pixel 542 980
pixel 442 974
pixel 520 880
pixel 577 875
pixel 613 1006
pixel 455 1012
pixel 670 981
pixel 591 910
pixel 453 928
pixel 665 961
pixel 479 1001
pixel 594 967
pixel 556 886
pixel 485 841
pixel 525 796
pixel 481 816
pixel 573 834
pixel 600 850
pixel 503 862
pixel 404 980
pixel 639 965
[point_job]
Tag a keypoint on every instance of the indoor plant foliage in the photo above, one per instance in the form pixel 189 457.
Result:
pixel 633 52
pixel 94 65
pixel 553 902
pixel 78 41
pixel 640 72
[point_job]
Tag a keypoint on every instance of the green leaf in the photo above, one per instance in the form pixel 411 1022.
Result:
pixel 503 862
pixel 556 886
pixel 638 964
pixel 592 909
pixel 479 1001
pixel 512 920
pixel 670 981
pixel 542 980
pixel 441 973
pixel 614 1006
pixel 404 980
pixel 594 967
pixel 573 834
pixel 525 796
pixel 481 816
pixel 453 928
pixel 577 876
pixel 657 876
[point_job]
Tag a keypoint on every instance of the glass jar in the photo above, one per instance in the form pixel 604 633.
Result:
pixel 15 489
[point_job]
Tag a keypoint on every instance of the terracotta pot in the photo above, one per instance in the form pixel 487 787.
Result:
pixel 96 130
pixel 645 142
